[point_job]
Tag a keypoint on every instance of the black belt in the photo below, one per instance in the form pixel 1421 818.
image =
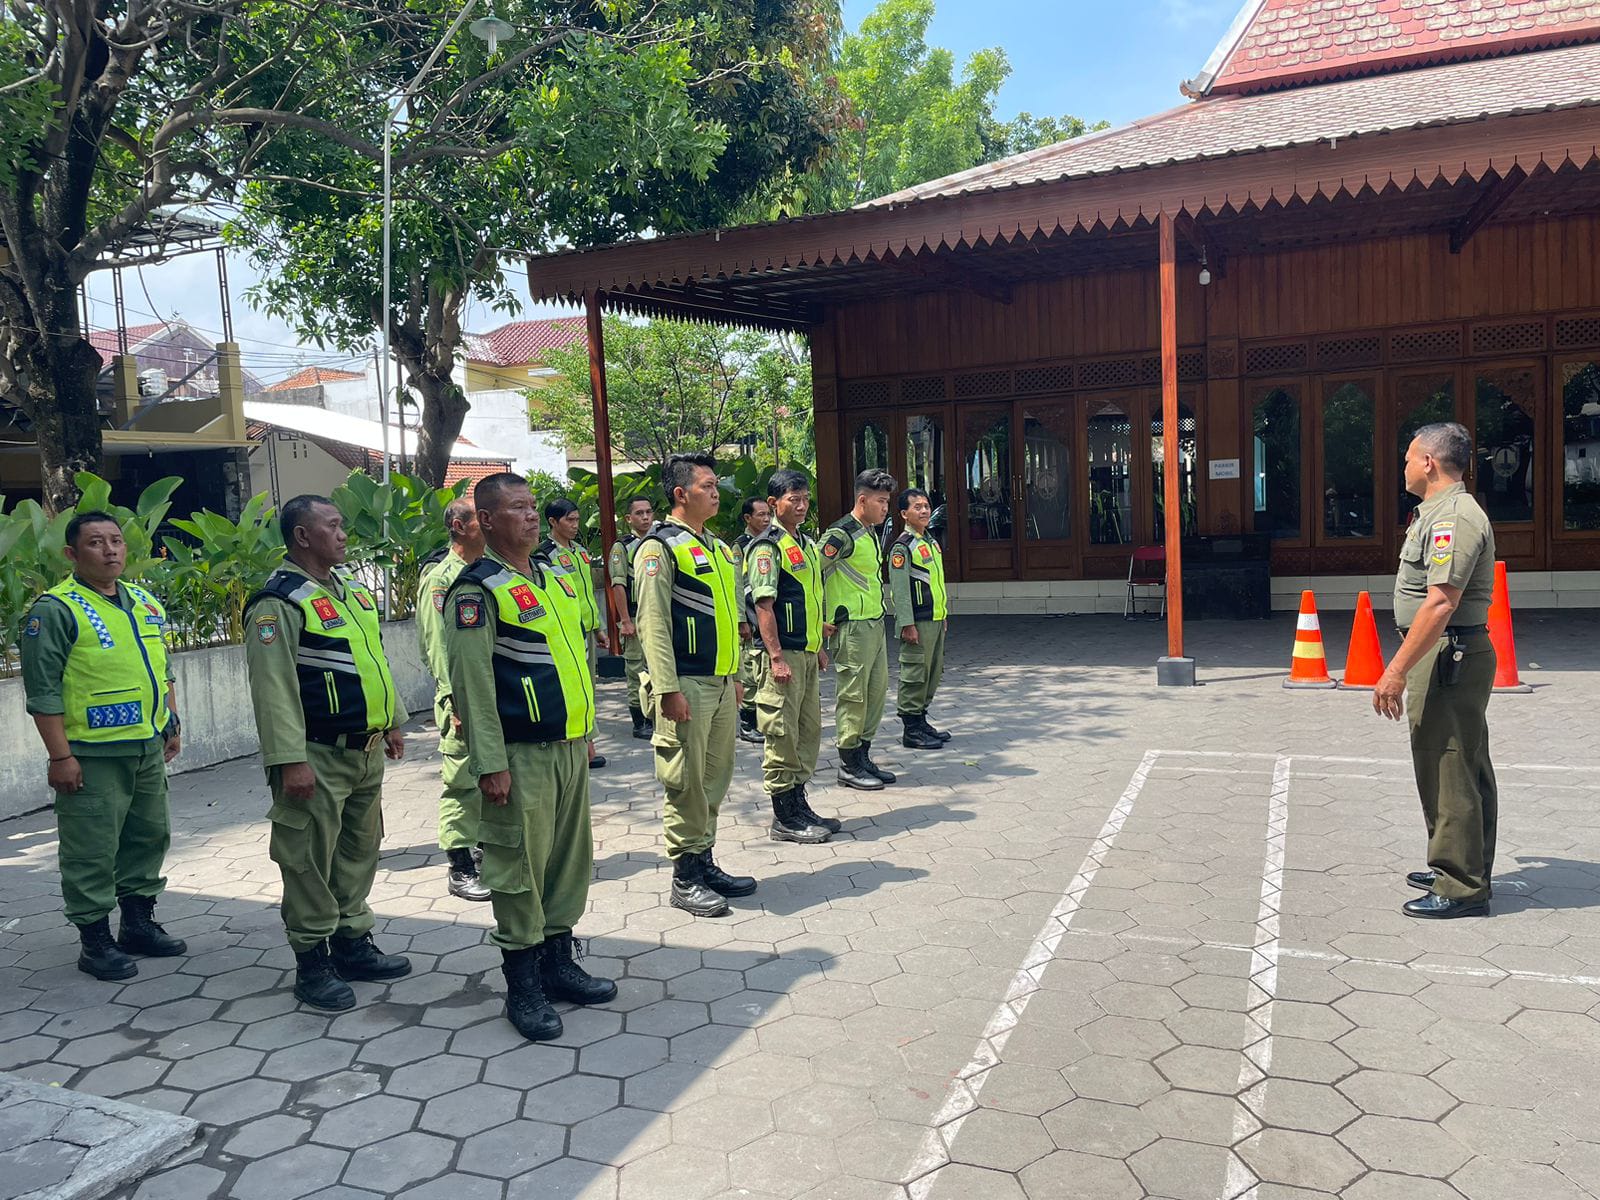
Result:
pixel 1456 630
pixel 361 743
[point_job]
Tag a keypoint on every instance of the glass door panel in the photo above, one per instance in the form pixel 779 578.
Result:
pixel 986 471
pixel 869 447
pixel 1110 473
pixel 1188 461
pixel 1419 400
pixel 1580 445
pixel 1275 462
pixel 925 469
pixel 1505 442
pixel 1047 434
pixel 1349 480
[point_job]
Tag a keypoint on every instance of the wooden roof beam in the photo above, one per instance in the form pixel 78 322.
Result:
pixel 1485 206
pixel 966 278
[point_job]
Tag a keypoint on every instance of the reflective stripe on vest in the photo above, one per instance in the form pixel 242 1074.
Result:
pixel 114 688
pixel 706 601
pixel 573 564
pixel 543 690
pixel 855 580
pixel 345 684
pixel 925 563
pixel 798 607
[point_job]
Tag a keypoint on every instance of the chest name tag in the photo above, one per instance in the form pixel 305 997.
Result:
pixel 528 606
pixel 797 556
pixel 326 612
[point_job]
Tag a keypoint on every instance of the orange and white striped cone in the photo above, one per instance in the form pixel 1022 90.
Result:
pixel 1309 666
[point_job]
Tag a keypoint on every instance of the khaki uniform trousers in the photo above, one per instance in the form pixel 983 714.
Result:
pixel 538 850
pixel 327 847
pixel 749 672
pixel 694 762
pixel 113 834
pixel 861 658
pixel 1455 779
pixel 921 668
pixel 461 801
pixel 789 716
pixel 633 661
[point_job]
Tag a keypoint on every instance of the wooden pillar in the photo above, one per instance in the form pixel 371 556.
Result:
pixel 602 453
pixel 1169 448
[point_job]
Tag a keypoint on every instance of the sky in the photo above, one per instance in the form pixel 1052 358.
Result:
pixel 1098 61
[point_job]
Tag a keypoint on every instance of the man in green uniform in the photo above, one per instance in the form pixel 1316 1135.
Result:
pixel 756 514
pixel 1447 662
pixel 564 555
pixel 460 802
pixel 519 673
pixel 689 604
pixel 916 585
pixel 852 571
pixel 327 712
pixel 94 667
pixel 783 573
pixel 641 514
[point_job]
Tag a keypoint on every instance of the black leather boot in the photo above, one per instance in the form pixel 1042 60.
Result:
pixel 853 772
pixel 927 728
pixel 100 956
pixel 140 932
pixel 360 958
pixel 464 880
pixel 789 826
pixel 641 724
pixel 873 768
pixel 564 979
pixel 831 824
pixel 690 891
pixel 747 727
pixel 527 1007
pixel 720 882
pixel 915 736
pixel 316 983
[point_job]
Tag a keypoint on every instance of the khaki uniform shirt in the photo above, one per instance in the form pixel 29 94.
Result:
pixel 431 591
pixel 1450 542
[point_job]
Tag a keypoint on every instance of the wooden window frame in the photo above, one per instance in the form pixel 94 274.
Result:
pixel 1250 394
pixel 1324 385
pixel 1555 523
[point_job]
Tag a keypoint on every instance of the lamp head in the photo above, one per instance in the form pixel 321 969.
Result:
pixel 490 28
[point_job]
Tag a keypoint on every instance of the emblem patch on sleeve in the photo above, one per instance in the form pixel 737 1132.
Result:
pixel 830 549
pixel 33 627
pixel 652 567
pixel 438 599
pixel 266 630
pixel 898 559
pixel 566 586
pixel 469 612
pixel 1442 537
pixel 764 565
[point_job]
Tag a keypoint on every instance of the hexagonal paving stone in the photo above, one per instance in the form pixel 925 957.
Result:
pixel 1119 1080
pixel 404 1046
pixel 1095 1127
pixel 688 1172
pixel 191 1181
pixel 397 1162
pixel 308 1060
pixel 1389 1094
pixel 366 1121
pixel 569 1178
pixel 266 1135
pixel 238 1102
pixel 570 1100
pixel 299 1171
pixel 666 1018
pixel 470 1110
pixel 1297 1159
pixel 669 1087
pixel 1414 1147
pixel 455 1186
pixel 722 1123
pixel 1509 1136
pixel 958 1182
pixel 1180 1170
pixel 511 1149
pixel 1068 1175
pixel 623 1055
pixel 433 1076
pixel 782 1164
pixel 619 1136
pixel 529 1065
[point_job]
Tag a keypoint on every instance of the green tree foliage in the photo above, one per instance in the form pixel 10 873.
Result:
pixel 595 121
pixel 675 385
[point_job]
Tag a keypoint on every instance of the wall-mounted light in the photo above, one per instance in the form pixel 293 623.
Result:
pixel 1205 271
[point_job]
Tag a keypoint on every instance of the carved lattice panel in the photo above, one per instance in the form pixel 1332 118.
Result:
pixel 1283 358
pixel 1357 350
pixel 922 390
pixel 1033 380
pixel 1508 337
pixel 1572 332
pixel 1422 345
pixel 983 383
pixel 1108 372
pixel 867 393
pixel 1192 366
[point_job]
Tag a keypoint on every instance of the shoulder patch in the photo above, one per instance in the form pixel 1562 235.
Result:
pixel 469 612
pixel 764 564
pixel 33 627
pixel 266 630
pixel 438 595
pixel 830 548
pixel 652 565
pixel 1442 538
pixel 898 558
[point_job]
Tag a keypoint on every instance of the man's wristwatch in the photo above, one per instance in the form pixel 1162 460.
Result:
pixel 174 726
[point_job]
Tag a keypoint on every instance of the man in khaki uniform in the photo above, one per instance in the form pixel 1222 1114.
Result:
pixel 756 514
pixel 689 603
pixel 1447 663
pixel 568 558
pixel 641 514
pixel 916 583
pixel 460 803
pixel 327 713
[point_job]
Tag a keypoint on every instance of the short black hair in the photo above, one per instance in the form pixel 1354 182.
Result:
pixel 296 512
pixel 459 509
pixel 679 472
pixel 874 479
pixel 1449 442
pixel 632 500
pixel 93 517
pixel 785 481
pixel 487 491
pixel 910 494
pixel 749 505
pixel 558 508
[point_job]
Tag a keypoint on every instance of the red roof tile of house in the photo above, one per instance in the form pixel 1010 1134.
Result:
pixel 313 376
pixel 105 340
pixel 1221 126
pixel 523 342
pixel 1280 43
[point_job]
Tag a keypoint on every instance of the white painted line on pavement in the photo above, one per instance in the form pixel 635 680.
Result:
pixel 933 1154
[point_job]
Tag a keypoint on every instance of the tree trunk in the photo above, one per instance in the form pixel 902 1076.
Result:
pixel 64 404
pixel 444 407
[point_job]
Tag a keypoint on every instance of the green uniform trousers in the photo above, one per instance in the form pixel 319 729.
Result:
pixel 114 833
pixel 460 803
pixel 749 672
pixel 921 668
pixel 538 849
pixel 789 716
pixel 861 657
pixel 326 847
pixel 1455 779
pixel 633 660
pixel 694 762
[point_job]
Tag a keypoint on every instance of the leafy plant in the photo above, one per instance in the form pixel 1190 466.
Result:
pixel 392 527
pixel 205 583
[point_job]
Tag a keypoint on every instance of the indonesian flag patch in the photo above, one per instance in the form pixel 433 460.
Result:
pixel 702 564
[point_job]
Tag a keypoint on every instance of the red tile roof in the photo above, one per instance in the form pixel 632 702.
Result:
pixel 524 342
pixel 105 340
pixel 1288 42
pixel 1222 126
pixel 313 376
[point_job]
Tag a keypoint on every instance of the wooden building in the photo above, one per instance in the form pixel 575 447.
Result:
pixel 1380 213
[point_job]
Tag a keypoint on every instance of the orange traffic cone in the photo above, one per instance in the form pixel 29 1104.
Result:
pixel 1506 678
pixel 1309 666
pixel 1363 665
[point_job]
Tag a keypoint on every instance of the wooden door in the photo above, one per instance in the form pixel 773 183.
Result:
pixel 1115 490
pixel 986 492
pixel 1511 462
pixel 1048 478
pixel 1417 397
pixel 924 449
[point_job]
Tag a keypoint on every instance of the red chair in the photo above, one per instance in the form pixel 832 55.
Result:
pixel 1147 569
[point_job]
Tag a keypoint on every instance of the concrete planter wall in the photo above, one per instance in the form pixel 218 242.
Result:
pixel 214 699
